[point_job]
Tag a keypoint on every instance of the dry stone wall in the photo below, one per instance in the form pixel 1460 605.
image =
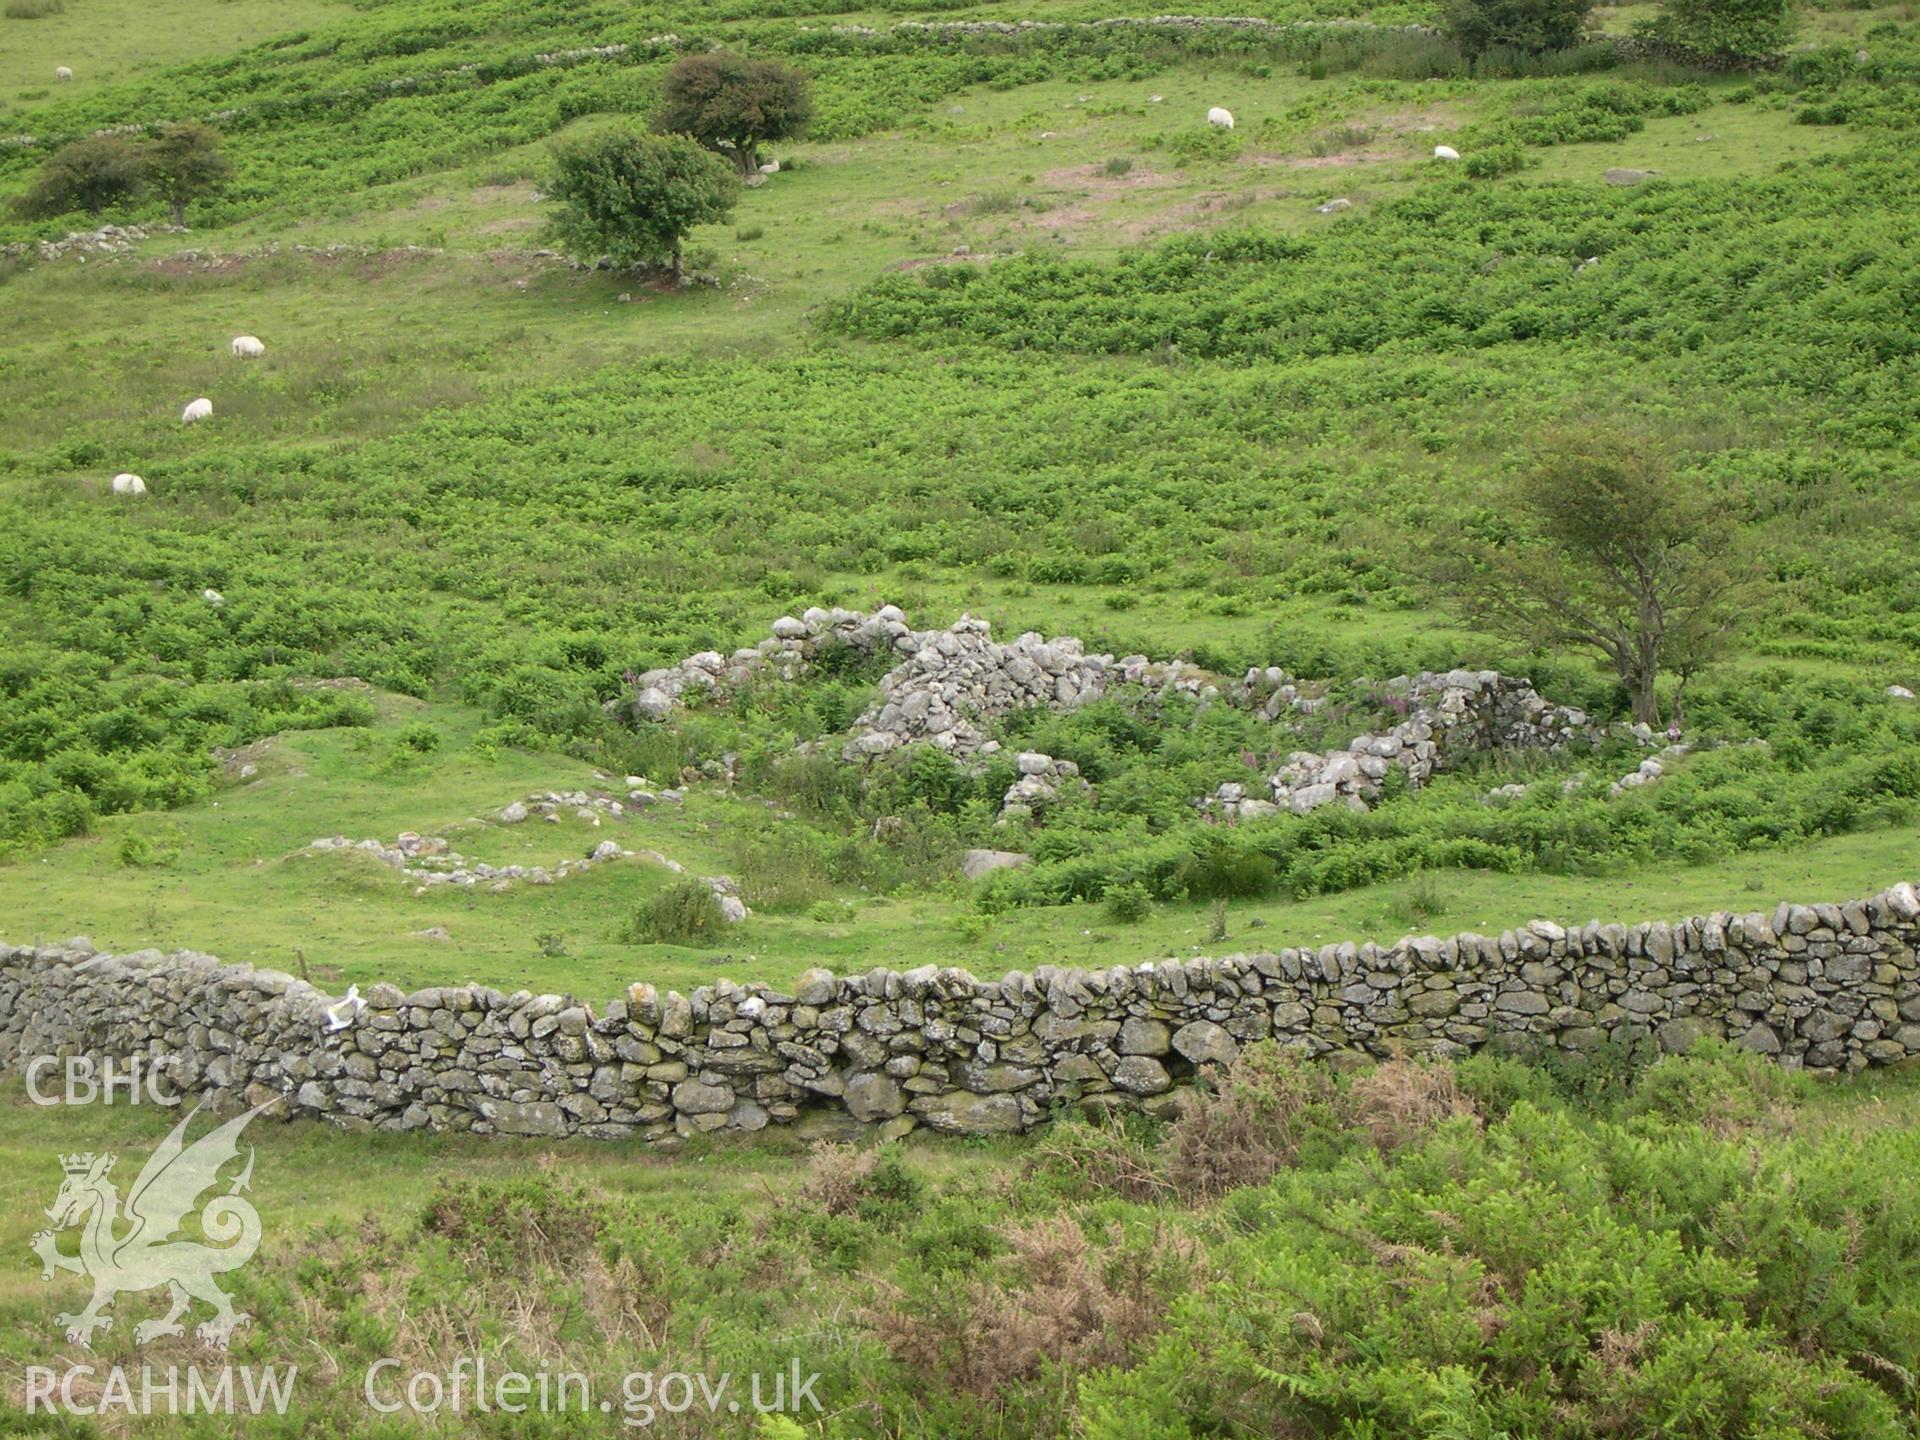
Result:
pixel 1824 987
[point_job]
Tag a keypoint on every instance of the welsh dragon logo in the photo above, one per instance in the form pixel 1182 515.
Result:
pixel 140 1248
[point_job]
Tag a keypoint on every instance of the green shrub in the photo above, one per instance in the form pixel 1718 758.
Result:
pixel 1551 1273
pixel 138 850
pixel 89 175
pixel 420 736
pixel 1256 1120
pixel 1339 140
pixel 33 9
pixel 686 912
pixel 634 197
pixel 1527 26
pixel 1489 162
pixel 518 1226
pixel 1128 902
pixel 1732 29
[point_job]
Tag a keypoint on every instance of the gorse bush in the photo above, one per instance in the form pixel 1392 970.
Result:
pixel 1361 1255
pixel 1533 26
pixel 1554 1267
pixel 686 912
pixel 1489 162
pixel 1127 902
pixel 1250 1123
pixel 1735 29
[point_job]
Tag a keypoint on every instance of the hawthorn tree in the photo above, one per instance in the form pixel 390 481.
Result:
pixel 734 105
pixel 1727 29
pixel 1533 26
pixel 1601 545
pixel 183 163
pixel 634 196
pixel 88 175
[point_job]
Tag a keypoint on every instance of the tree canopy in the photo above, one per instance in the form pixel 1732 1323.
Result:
pixel 183 163
pixel 1533 26
pixel 88 174
pixel 634 196
pixel 1731 29
pixel 1601 545
pixel 734 105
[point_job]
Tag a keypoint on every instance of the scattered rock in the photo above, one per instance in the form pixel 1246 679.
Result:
pixel 975 863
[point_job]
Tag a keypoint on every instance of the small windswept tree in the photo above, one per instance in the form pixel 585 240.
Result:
pixel 87 175
pixel 634 197
pixel 1608 550
pixel 183 164
pixel 734 105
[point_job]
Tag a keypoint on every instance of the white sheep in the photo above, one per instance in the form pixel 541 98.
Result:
pixel 213 598
pixel 61 72
pixel 1445 152
pixel 1222 118
pixel 772 167
pixel 200 409
pixel 248 347
pixel 127 484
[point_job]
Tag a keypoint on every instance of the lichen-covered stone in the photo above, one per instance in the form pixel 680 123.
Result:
pixel 1821 987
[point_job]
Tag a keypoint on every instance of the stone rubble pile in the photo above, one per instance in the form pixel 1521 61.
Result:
pixel 786 654
pixel 1271 692
pixel 1821 987
pixel 107 240
pixel 955 681
pixel 1042 781
pixel 946 687
pixel 429 861
pixel 1449 716
pixel 1647 772
pixel 549 805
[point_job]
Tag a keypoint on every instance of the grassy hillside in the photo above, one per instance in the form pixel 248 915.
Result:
pixel 1012 333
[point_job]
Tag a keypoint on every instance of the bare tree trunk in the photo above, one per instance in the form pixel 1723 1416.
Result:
pixel 1646 700
pixel 180 213
pixel 676 264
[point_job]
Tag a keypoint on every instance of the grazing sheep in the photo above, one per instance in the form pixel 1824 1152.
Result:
pixel 772 167
pixel 61 72
pixel 248 347
pixel 1445 152
pixel 1222 118
pixel 200 409
pixel 213 598
pixel 126 484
